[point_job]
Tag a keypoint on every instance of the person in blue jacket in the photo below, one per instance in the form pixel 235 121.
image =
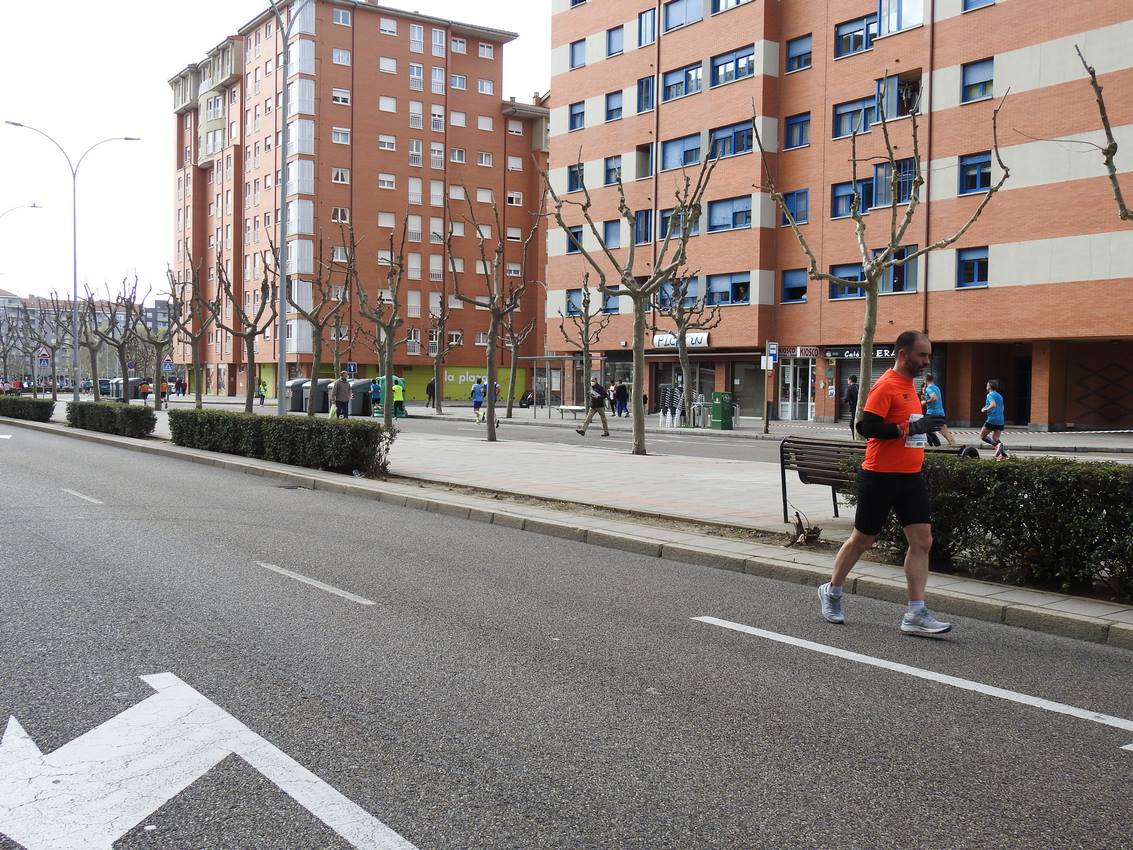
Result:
pixel 994 421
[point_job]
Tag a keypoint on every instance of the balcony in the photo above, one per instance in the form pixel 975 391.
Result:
pixel 415 197
pixel 437 162
pixel 416 121
pixel 436 276
pixel 415 159
pixel 416 84
pixel 413 235
pixel 433 348
pixel 413 346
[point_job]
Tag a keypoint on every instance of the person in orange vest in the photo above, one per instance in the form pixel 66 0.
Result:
pixel 164 390
pixel 143 391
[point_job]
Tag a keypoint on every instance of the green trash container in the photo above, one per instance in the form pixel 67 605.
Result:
pixel 722 411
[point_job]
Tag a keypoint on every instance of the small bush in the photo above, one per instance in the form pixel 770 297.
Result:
pixel 125 420
pixel 17 407
pixel 340 446
pixel 1045 522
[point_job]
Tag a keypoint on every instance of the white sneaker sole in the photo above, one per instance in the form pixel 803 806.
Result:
pixel 920 630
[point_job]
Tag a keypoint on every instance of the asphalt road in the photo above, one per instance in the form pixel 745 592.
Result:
pixel 508 690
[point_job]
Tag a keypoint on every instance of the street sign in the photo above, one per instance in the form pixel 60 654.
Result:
pixel 43 352
pixel 44 362
pixel 351 367
pixel 167 364
pixel 773 351
pixel 130 365
pixel 766 363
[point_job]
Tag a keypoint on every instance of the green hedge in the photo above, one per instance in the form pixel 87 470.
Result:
pixel 17 407
pixel 317 443
pixel 111 417
pixel 1045 522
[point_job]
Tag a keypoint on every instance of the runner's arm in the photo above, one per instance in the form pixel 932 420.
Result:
pixel 872 425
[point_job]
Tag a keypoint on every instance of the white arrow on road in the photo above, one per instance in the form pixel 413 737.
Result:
pixel 930 675
pixel 93 790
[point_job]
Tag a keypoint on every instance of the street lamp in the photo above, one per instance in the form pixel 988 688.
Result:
pixel 21 207
pixel 74 166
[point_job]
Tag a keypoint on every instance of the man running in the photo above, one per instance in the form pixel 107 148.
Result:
pixel 479 390
pixel 891 479
pixel 994 421
pixel 934 406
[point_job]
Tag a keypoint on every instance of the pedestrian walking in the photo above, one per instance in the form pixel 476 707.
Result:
pixel 621 399
pixel 611 391
pixel 891 479
pixel 261 391
pixel 143 391
pixel 933 401
pixel 399 399
pixel 994 420
pixel 431 391
pixel 340 395
pixel 164 390
pixel 850 399
pixel 597 406
pixel 477 395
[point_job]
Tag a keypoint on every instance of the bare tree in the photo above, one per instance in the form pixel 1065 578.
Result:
pixel 618 276
pixel 115 321
pixel 160 342
pixel 513 336
pixel 90 342
pixel 902 188
pixel 587 326
pixel 50 329
pixel 327 300
pixel 342 337
pixel 503 292
pixel 688 312
pixel 248 321
pixel 191 315
pixel 438 325
pixel 10 339
pixel 384 311
pixel 1109 152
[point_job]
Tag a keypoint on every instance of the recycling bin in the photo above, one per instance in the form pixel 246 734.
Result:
pixel 321 403
pixel 722 411
pixel 295 394
pixel 360 397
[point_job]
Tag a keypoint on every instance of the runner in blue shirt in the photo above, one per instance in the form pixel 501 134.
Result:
pixel 478 392
pixel 993 424
pixel 934 406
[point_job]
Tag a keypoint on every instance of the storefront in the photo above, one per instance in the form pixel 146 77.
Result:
pixel 798 382
pixel 842 361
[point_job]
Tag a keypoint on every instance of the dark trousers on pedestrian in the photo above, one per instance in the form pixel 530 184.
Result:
pixel 343 408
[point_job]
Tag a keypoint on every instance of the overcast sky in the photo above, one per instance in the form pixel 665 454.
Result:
pixel 83 71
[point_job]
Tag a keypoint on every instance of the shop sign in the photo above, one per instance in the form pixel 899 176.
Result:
pixel 692 340
pixel 854 352
pixel 798 351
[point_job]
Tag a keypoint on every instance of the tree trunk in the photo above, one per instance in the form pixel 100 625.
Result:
pixel 638 377
pixel 159 376
pixel 249 371
pixel 197 370
pixel 316 362
pixel 511 380
pixel 437 369
pixel 95 394
pixel 869 328
pixel 125 375
pixel 387 391
pixel 54 372
pixel 493 331
pixel 686 375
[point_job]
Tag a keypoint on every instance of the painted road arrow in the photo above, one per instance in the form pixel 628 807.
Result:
pixel 93 790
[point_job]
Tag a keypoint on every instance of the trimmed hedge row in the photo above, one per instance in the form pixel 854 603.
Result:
pixel 1044 522
pixel 109 417
pixel 17 407
pixel 317 443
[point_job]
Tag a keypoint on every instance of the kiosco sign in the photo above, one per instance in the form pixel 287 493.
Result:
pixel 692 340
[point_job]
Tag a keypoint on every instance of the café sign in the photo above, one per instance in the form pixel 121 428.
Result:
pixel 692 340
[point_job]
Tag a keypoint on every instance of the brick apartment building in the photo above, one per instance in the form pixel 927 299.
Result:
pixel 393 114
pixel 1039 293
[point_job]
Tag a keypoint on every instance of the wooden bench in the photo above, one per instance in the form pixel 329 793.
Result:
pixel 573 409
pixel 824 462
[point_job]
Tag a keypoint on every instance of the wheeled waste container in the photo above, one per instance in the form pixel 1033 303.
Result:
pixel 722 411
pixel 295 394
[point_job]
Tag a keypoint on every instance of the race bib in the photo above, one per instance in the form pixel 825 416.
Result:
pixel 916 441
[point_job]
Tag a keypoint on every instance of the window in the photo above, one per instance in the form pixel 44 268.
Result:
pixel 340 175
pixel 796 132
pixel 416 114
pixel 612 169
pixel 643 155
pixel 340 135
pixel 340 96
pixel 387 65
pixel 666 219
pixel 578 115
pixel 679 13
pixel 898 96
pixel 977 80
pixel 458 45
pixel 387 142
pixel 847 271
pixel 578 53
pixel 458 82
pixel 387 104
pixel 416 38
pixel 613 106
pixel 514 127
pixel 855 36
pixel 484 158
pixel 483 196
pixel 731 140
pixel 681 82
pixel 456 192
pixel 439 42
pixel 854 116
pixel 456 119
pixel 437 118
pixel 975 173
pixel 574 239
pixel 896 15
pixel 340 215
pixel 976 4
pixel 484 122
pixel 416 148
pixel 798 204
pixel 794 285
pixel 971 267
pixel 387 26
pixel 842 197
pixel 642 227
pixel 645 94
pixel 615 41
pixel 487 51
pixel 900 278
pixel 574 3
pixel 515 163
pixel 514 234
pixel 728 288
pixel 798 53
pixel 386 219
pixel 574 302
pixel 677 153
pixel 733 66
pixel 882 177
pixel 387 181
pixel 729 213
pixel 610 304
pixel 725 5
pixel 416 76
pixel 646 27
pixel 438 80
pixel 574 177
pixel 486 86
pixel 339 56
pixel 513 270
pixel 612 233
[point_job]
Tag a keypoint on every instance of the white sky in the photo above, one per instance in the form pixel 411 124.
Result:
pixel 85 70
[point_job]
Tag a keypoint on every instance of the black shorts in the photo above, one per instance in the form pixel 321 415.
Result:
pixel 993 426
pixel 881 492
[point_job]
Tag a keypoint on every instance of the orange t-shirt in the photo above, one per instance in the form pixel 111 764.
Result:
pixel 894 399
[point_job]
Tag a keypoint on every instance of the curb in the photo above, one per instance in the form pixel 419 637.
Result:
pixel 1033 618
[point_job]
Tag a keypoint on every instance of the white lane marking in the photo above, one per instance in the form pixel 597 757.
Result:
pixel 328 588
pixel 930 675
pixel 94 789
pixel 79 495
pixel 5 436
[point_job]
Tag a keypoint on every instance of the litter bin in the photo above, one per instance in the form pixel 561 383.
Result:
pixel 295 394
pixel 722 411
pixel 136 386
pixel 115 390
pixel 322 395
pixel 360 397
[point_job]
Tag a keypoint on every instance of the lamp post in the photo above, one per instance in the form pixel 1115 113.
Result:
pixel 74 166
pixel 21 207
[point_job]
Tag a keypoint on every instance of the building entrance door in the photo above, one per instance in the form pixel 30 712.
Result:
pixel 797 377
pixel 747 388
